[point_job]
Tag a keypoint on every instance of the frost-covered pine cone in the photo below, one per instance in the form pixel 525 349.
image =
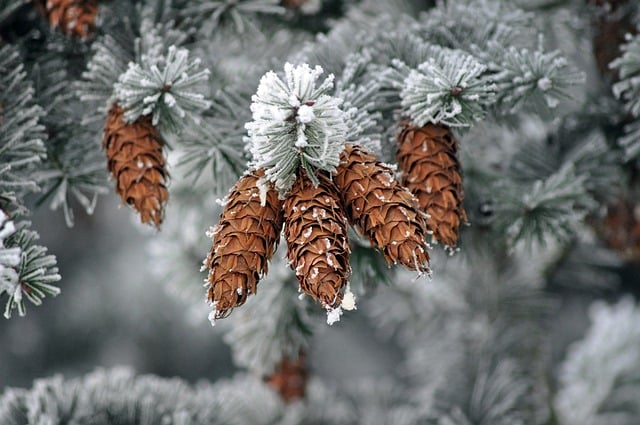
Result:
pixel 137 163
pixel 76 18
pixel 381 209
pixel 316 233
pixel 427 157
pixel 244 240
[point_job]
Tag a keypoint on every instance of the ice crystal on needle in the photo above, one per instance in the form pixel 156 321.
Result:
pixel 295 123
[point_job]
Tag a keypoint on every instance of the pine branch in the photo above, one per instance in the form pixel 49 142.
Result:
pixel 534 80
pixel 448 89
pixel 109 61
pixel 167 88
pixel 600 376
pixel 26 270
pixel 295 123
pixel 552 207
pixel 21 132
pixel 628 90
pixel 241 14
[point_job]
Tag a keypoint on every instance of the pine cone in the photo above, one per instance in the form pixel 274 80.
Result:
pixel 76 18
pixel 382 209
pixel 244 240
pixel 290 378
pixel 428 159
pixel 316 233
pixel 620 229
pixel 612 21
pixel 136 161
pixel 293 4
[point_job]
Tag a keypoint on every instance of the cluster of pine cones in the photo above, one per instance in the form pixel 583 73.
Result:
pixel 362 192
pixel 396 217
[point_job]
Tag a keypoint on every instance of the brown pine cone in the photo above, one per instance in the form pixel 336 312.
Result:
pixel 76 18
pixel 381 209
pixel 137 163
pixel 316 233
pixel 293 4
pixel 612 21
pixel 430 168
pixel 243 241
pixel 620 229
pixel 290 378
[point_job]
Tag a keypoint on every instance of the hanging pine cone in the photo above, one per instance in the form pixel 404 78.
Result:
pixel 290 378
pixel 382 209
pixel 76 18
pixel 430 168
pixel 620 229
pixel 243 241
pixel 136 161
pixel 612 20
pixel 293 4
pixel 316 233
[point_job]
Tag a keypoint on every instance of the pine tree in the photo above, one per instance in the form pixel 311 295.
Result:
pixel 358 132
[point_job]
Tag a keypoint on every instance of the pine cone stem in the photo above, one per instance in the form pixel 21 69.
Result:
pixel 137 163
pixel 427 157
pixel 318 245
pixel 243 241
pixel 381 209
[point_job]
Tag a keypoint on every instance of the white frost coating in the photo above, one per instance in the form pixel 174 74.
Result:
pixel 305 114
pixel 545 84
pixel 295 123
pixel 349 299
pixel 333 315
pixel 211 232
pixel 212 318
pixel 263 188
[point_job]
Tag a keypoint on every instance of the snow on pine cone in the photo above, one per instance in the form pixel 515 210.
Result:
pixel 76 18
pixel 136 161
pixel 381 209
pixel 316 233
pixel 244 240
pixel 427 157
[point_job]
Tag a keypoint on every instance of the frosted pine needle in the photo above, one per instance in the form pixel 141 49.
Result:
pixel 295 123
pixel 170 90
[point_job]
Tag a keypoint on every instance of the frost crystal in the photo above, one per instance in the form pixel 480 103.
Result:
pixel 295 123
pixel 212 317
pixel 168 89
pixel 333 315
pixel 349 300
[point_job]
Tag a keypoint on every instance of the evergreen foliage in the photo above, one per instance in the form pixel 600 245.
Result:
pixel 546 145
